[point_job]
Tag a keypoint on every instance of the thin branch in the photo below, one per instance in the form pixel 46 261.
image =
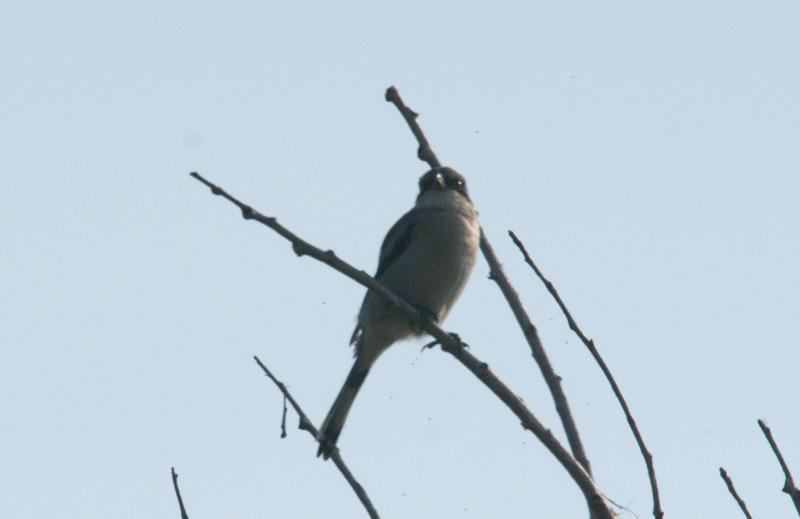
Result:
pixel 732 490
pixel 184 515
pixel 450 344
pixel 306 425
pixel 553 380
pixel 788 485
pixel 497 274
pixel 424 152
pixel 283 419
pixel 589 343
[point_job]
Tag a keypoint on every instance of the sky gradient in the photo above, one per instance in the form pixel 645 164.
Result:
pixel 645 153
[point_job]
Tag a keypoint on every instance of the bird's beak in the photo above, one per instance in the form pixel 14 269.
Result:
pixel 438 183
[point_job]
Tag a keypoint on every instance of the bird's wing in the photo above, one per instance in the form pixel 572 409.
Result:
pixel 397 240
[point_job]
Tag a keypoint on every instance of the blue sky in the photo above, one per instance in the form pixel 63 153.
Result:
pixel 646 153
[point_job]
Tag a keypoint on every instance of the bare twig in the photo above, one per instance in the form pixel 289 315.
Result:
pixel 283 419
pixel 732 490
pixel 450 344
pixel 553 380
pixel 497 274
pixel 589 343
pixel 306 425
pixel 788 485
pixel 184 515
pixel 424 152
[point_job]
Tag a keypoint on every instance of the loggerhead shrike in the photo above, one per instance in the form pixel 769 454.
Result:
pixel 425 259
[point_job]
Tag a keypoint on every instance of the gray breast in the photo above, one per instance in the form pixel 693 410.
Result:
pixel 433 271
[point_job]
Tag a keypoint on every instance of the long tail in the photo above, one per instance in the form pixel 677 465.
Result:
pixel 332 426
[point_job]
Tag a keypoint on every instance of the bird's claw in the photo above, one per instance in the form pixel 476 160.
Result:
pixel 453 335
pixel 429 346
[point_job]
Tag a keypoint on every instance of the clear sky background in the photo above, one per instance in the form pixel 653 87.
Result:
pixel 646 153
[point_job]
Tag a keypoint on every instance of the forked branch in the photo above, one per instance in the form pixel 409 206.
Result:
pixel 306 425
pixel 595 500
pixel 497 274
pixel 589 343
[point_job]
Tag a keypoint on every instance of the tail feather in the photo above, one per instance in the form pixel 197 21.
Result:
pixel 334 422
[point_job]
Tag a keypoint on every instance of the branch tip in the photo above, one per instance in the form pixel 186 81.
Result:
pixel 788 485
pixel 424 152
pixel 732 490
pixel 184 515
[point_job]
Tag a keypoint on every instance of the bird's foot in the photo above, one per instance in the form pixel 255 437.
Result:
pixel 458 342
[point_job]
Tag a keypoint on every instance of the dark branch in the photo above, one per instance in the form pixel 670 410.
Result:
pixel 538 352
pixel 497 274
pixel 283 419
pixel 449 344
pixel 732 490
pixel 589 343
pixel 788 485
pixel 424 152
pixel 184 515
pixel 306 425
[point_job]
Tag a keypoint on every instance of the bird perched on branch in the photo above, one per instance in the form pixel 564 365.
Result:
pixel 426 259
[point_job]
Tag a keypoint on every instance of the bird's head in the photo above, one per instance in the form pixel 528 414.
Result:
pixel 440 182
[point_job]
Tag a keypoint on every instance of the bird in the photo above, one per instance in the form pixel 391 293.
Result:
pixel 426 259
